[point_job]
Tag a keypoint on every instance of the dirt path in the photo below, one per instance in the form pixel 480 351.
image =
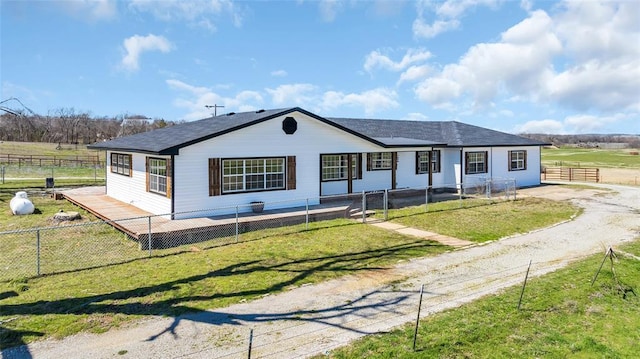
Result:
pixel 316 319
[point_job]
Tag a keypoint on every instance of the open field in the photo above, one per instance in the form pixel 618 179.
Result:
pixel 561 316
pixel 616 166
pixel 590 157
pixel 47 149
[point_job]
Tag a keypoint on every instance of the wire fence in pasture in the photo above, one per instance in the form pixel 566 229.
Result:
pixel 71 246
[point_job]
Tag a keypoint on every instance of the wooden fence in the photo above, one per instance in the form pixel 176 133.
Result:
pixel 51 161
pixel 571 174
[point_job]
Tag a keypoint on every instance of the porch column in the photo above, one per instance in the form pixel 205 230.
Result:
pixel 394 167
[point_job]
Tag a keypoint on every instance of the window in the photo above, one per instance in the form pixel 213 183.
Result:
pixel 252 174
pixel 379 161
pixel 158 175
pixel 476 162
pixel 121 164
pixel 422 161
pixel 334 167
pixel 517 160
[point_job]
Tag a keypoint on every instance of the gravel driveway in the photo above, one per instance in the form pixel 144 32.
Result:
pixel 315 319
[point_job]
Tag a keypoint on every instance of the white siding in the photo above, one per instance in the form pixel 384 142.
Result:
pixel 132 190
pixel 265 139
pixel 498 166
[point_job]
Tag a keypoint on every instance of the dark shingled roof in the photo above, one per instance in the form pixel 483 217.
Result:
pixel 451 133
pixel 385 133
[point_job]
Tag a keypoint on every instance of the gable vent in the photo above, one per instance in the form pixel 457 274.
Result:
pixel 260 111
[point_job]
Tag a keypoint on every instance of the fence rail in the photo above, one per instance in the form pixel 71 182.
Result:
pixel 50 160
pixel 60 248
pixel 584 174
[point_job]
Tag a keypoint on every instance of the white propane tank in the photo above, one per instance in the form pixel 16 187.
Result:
pixel 20 204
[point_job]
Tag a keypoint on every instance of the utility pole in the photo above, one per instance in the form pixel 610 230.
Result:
pixel 215 108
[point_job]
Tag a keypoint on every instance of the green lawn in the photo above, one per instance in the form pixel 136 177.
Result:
pixel 198 277
pixel 481 220
pixel 562 316
pixel 589 157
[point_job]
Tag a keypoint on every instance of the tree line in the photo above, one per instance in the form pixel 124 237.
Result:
pixel 586 140
pixel 66 125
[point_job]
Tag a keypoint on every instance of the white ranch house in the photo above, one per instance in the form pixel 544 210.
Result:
pixel 288 154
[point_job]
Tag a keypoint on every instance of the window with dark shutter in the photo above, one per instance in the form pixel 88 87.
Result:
pixel 291 172
pixel 214 176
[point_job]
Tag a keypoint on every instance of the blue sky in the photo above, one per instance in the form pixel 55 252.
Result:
pixel 516 66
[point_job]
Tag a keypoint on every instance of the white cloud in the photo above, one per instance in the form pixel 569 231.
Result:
pixel 371 101
pixel 580 123
pixel 199 97
pixel 197 13
pixel 91 9
pixel 416 116
pixel 421 29
pixel 600 63
pixel 541 126
pixel 415 73
pixel 292 94
pixel 279 73
pixel 136 45
pixel 376 59
pixel 447 14
pixel 590 123
pixel 329 9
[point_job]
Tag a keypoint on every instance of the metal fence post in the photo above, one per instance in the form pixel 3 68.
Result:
pixel 364 207
pixel 386 204
pixel 149 232
pixel 307 215
pixel 426 200
pixel 237 224
pixel 488 188
pixel 38 252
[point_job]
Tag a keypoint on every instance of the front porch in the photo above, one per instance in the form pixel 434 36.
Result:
pixel 153 231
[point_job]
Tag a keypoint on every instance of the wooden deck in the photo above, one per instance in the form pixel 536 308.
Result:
pixel 139 224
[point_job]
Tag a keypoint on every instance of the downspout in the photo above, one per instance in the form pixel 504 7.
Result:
pixel 106 170
pixel 173 186
pixel 490 159
pixel 462 166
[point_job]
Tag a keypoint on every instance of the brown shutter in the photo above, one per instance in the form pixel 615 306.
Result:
pixel 359 166
pixel 525 160
pixel 466 163
pixel 214 176
pixel 146 166
pixel 130 165
pixel 291 172
pixel 439 161
pixel 417 162
pixel 169 176
pixel 509 160
pixel 368 161
pixel 394 167
pixel 486 162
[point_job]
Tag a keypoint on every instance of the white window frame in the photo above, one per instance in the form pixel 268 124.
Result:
pixel 476 162
pixel 517 160
pixel 423 162
pixel 381 160
pixel 158 175
pixel 241 175
pixel 121 164
pixel 334 167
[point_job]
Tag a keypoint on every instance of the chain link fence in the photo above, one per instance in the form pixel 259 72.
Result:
pixel 65 247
